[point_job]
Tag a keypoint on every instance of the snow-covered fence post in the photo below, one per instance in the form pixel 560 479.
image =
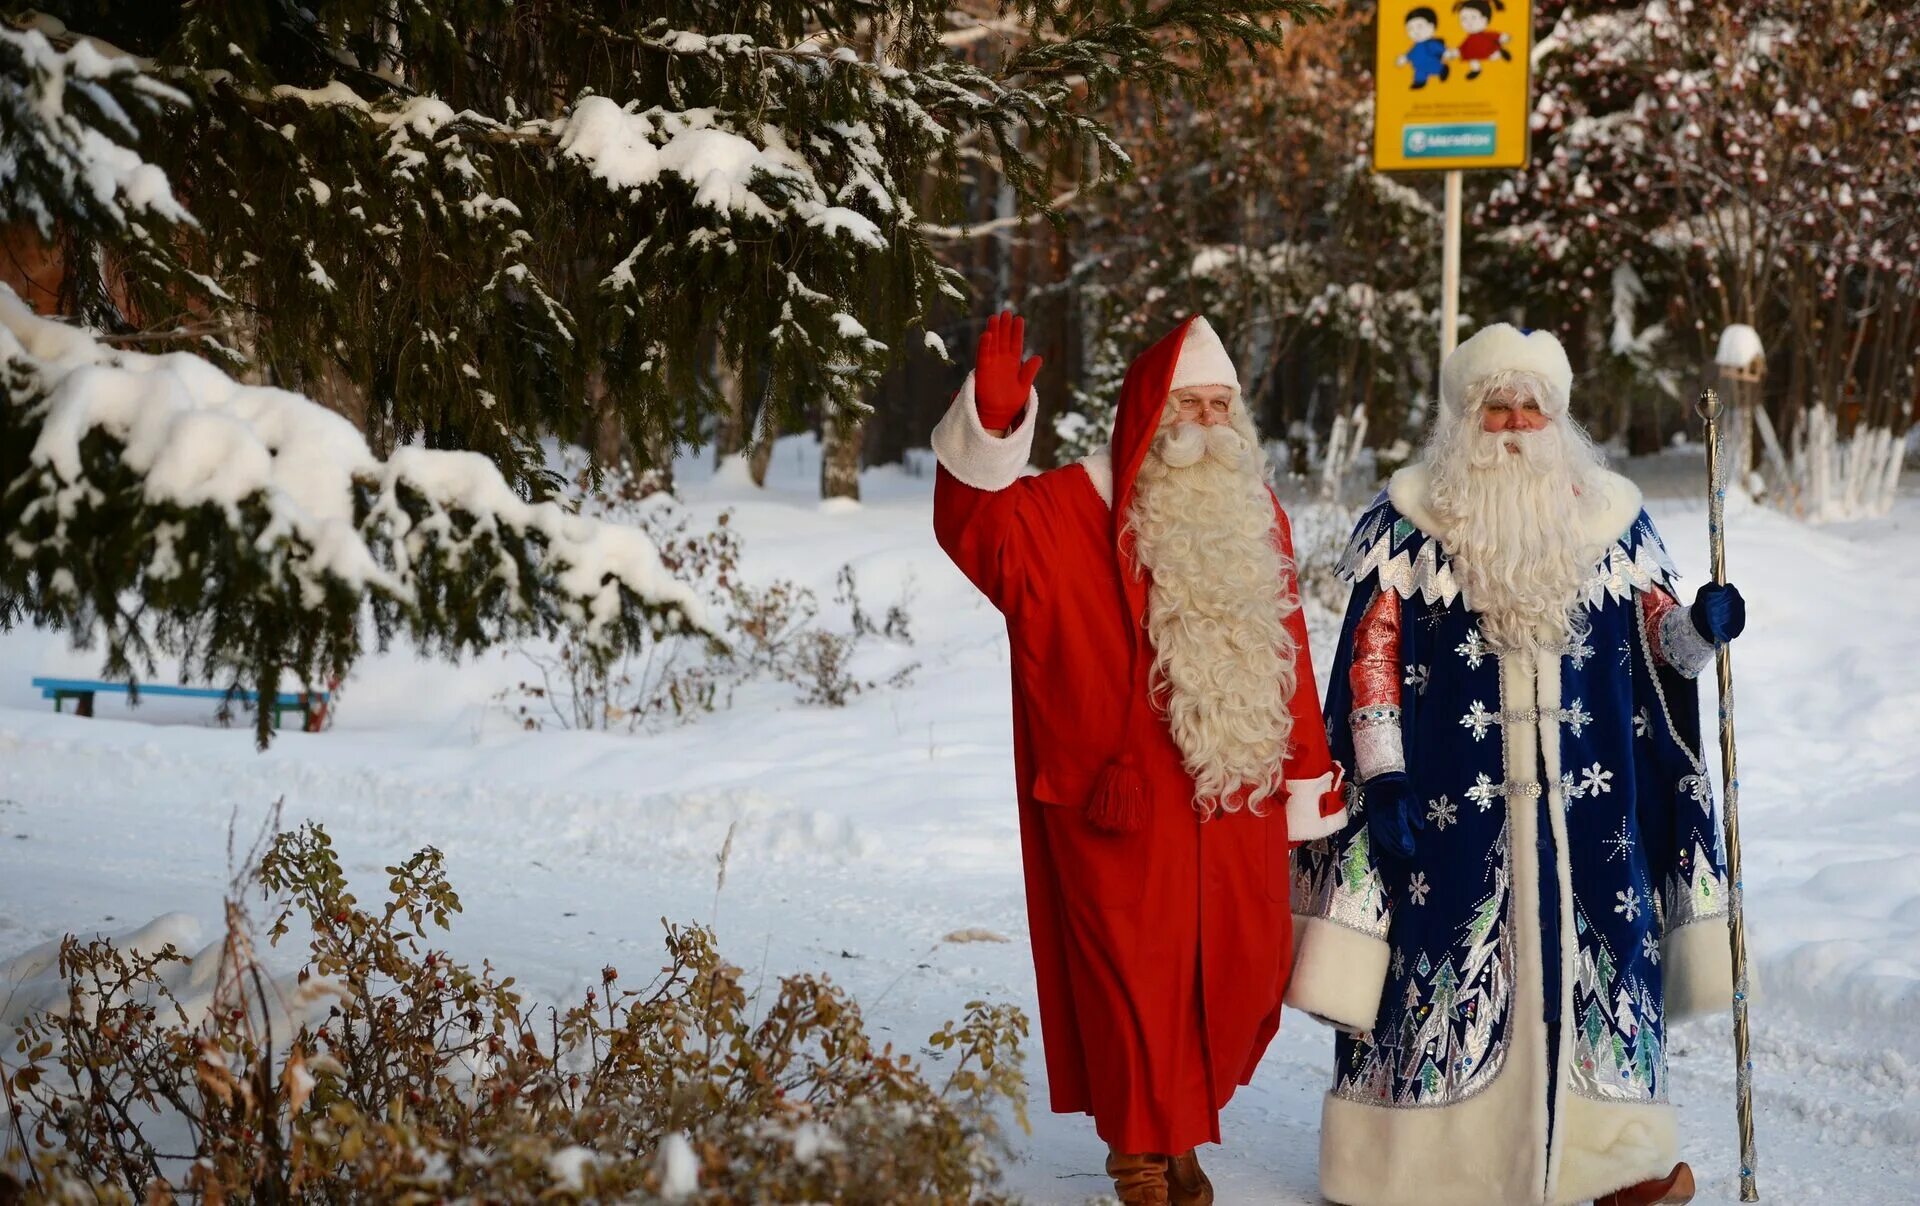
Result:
pixel 1742 363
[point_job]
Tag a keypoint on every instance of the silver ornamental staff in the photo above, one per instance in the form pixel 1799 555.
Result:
pixel 1730 774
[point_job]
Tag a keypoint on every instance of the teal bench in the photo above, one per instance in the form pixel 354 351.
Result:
pixel 312 705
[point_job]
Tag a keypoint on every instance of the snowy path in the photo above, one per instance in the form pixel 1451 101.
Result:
pixel 866 834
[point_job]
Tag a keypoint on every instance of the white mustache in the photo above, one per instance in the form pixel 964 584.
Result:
pixel 1517 451
pixel 1186 444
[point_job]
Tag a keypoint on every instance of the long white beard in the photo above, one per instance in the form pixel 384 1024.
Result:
pixel 1223 668
pixel 1514 524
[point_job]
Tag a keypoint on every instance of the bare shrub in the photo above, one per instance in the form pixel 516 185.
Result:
pixel 390 1069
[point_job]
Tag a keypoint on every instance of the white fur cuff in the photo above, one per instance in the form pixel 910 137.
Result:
pixel 1304 822
pixel 976 456
pixel 1681 643
pixel 1698 960
pixel 1338 973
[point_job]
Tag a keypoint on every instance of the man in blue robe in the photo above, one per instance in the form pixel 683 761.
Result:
pixel 1531 882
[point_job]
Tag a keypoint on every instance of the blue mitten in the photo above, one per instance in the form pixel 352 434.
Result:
pixel 1719 613
pixel 1393 814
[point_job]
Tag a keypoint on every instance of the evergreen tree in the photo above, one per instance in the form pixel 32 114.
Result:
pixel 477 221
pixel 469 225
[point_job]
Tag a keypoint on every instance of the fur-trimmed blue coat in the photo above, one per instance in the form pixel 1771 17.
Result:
pixel 1569 817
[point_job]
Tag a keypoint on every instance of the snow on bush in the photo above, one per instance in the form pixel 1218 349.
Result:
pixel 768 630
pixel 159 503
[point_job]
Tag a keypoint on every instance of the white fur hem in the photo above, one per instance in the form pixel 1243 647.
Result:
pixel 1698 963
pixel 1388 1156
pixel 1609 1145
pixel 1408 491
pixel 1304 822
pixel 976 456
pixel 1338 973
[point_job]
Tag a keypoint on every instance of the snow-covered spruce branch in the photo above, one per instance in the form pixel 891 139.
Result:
pixel 159 504
pixel 67 115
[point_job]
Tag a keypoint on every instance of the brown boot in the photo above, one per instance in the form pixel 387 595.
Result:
pixel 1187 1183
pixel 1138 1180
pixel 1674 1189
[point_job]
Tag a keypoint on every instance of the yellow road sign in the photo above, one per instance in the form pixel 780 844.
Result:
pixel 1451 84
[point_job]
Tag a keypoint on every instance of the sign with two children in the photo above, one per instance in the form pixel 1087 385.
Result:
pixel 1451 91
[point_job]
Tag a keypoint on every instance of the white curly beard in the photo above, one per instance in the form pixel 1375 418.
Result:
pixel 1223 669
pixel 1514 526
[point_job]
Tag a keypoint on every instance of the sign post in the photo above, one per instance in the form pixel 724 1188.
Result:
pixel 1452 92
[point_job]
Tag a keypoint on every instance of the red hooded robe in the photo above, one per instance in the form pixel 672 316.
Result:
pixel 1161 953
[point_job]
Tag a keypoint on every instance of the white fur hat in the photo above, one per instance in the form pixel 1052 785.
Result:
pixel 1503 347
pixel 1203 360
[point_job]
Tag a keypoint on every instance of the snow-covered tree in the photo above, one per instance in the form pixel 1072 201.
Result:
pixel 468 225
pixel 1749 163
pixel 475 222
pixel 159 506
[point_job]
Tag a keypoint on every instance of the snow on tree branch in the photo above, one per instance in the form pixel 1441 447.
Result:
pixel 66 117
pixel 171 509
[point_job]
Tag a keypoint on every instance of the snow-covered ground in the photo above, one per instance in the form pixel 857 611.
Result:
pixel 864 835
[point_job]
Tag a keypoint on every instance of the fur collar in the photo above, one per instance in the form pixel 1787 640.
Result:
pixel 1099 467
pixel 1407 490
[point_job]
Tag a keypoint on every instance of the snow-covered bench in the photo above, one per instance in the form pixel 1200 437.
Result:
pixel 312 705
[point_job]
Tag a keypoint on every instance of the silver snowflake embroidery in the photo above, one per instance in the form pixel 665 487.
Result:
pixel 1629 904
pixel 1696 786
pixel 1485 791
pixel 1650 946
pixel 1579 652
pixel 1577 717
pixel 1442 812
pixel 1642 723
pixel 1479 720
pixel 1416 678
pixel 1474 649
pixel 1626 651
pixel 1621 843
pixel 1569 790
pixel 1418 887
pixel 1399 963
pixel 1596 781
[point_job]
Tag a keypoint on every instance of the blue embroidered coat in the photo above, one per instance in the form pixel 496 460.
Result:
pixel 1570 868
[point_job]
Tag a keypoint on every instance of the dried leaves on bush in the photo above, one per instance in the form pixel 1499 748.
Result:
pixel 388 1070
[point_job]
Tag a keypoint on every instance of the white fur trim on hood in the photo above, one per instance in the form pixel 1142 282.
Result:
pixel 1203 360
pixel 1503 347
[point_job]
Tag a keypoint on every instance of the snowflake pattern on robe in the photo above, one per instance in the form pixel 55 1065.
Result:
pixel 1642 841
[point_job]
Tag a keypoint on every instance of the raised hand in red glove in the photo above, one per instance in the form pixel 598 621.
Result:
pixel 1001 380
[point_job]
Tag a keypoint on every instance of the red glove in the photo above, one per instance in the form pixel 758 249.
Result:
pixel 1001 380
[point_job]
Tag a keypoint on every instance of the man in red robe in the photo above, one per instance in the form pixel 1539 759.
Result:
pixel 1168 743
